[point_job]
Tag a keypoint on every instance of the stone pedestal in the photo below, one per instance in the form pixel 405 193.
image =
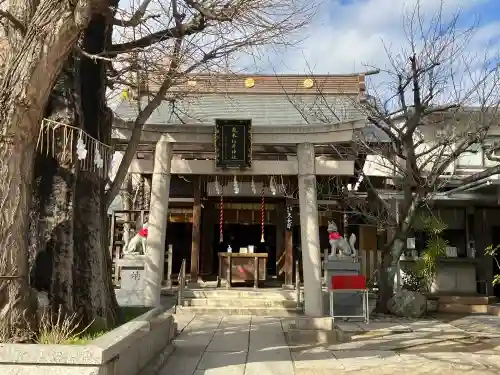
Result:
pixel 345 303
pixel 311 331
pixel 131 292
pixel 309 230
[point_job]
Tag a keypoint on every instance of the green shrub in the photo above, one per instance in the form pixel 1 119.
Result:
pixel 427 264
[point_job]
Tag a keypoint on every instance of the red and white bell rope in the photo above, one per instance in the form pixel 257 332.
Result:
pixel 221 220
pixel 262 213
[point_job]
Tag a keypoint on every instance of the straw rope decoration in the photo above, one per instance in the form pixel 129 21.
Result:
pixel 72 144
pixel 221 220
pixel 262 208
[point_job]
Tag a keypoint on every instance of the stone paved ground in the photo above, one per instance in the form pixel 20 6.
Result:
pixel 243 345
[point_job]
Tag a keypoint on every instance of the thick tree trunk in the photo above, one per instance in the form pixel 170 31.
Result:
pixel 35 58
pixel 94 296
pixel 78 260
pixel 54 199
pixel 54 259
pixel 16 168
pixel 91 225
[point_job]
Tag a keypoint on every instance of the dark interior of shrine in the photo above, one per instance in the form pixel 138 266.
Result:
pixel 241 236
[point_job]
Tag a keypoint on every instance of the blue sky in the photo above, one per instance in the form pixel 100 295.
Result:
pixel 348 35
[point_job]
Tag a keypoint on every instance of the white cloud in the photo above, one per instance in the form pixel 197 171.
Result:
pixel 348 35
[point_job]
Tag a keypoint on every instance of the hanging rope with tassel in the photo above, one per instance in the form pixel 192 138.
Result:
pixel 262 213
pixel 221 220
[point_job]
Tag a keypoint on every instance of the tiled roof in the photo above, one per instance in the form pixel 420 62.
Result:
pixel 347 84
pixel 263 110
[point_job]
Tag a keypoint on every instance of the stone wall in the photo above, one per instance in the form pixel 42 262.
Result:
pixel 127 350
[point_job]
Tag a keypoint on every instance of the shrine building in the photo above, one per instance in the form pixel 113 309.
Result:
pixel 240 159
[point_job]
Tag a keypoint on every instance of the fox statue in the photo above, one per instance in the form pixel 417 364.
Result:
pixel 338 242
pixel 137 245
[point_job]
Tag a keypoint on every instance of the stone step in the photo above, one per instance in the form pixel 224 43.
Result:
pixel 240 303
pixel 223 311
pixel 237 293
pixel 466 300
pixel 457 308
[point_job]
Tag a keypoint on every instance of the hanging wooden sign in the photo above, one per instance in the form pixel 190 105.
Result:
pixel 233 143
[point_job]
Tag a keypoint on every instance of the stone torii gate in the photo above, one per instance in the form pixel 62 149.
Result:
pixel 306 167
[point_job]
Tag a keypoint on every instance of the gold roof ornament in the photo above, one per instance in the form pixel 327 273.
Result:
pixel 249 83
pixel 308 83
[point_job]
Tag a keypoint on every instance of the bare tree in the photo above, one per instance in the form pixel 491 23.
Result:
pixel 200 37
pixel 39 37
pixel 154 49
pixel 437 98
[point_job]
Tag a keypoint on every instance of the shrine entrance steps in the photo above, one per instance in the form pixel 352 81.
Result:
pixel 275 302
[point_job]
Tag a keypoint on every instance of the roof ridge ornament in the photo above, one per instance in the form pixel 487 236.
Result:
pixel 308 83
pixel 249 83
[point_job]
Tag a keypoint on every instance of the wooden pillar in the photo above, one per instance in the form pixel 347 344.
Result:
pixel 288 248
pixel 207 250
pixel 196 232
pixel 280 234
pixel 367 238
pixel 289 257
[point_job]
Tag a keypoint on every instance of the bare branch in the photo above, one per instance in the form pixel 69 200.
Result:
pixel 93 56
pixel 439 100
pixel 196 37
pixel 196 25
pixel 134 21
pixel 138 17
pixel 14 21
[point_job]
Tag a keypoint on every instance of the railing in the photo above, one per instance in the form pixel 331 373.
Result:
pixel 182 283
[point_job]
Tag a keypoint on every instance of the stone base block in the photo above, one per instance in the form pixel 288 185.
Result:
pixel 311 336
pixel 129 297
pixel 308 330
pixel 308 323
